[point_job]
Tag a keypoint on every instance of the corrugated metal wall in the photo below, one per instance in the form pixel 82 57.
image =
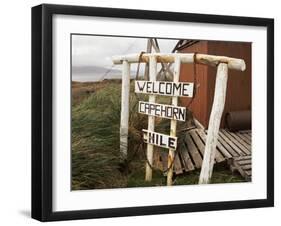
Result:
pixel 239 83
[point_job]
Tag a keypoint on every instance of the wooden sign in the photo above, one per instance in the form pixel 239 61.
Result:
pixel 162 110
pixel 182 89
pixel 160 139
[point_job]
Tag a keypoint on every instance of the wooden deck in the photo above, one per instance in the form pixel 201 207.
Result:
pixel 243 165
pixel 233 147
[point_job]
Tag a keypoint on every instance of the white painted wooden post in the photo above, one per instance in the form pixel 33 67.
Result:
pixel 173 128
pixel 148 50
pixel 214 123
pixel 124 122
pixel 151 119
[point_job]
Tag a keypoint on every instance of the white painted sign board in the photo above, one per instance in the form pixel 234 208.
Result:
pixel 159 139
pixel 162 110
pixel 176 89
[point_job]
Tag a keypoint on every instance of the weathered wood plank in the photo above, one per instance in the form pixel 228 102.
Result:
pixel 179 89
pixel 248 136
pixel 225 152
pixel 230 143
pixel 246 167
pixel 245 170
pixel 246 131
pixel 236 142
pixel 247 157
pixel 177 165
pixel 188 165
pixel 199 143
pixel 228 147
pixel 212 60
pixel 248 172
pixel 245 162
pixel 193 151
pixel 245 139
pixel 159 139
pixel 241 141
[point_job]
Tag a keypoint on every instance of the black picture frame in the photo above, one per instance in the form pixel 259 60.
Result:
pixel 42 107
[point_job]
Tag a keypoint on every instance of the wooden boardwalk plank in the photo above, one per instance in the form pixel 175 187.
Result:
pixel 199 143
pixel 187 162
pixel 244 137
pixel 247 167
pixel 177 165
pixel 243 165
pixel 220 147
pixel 240 140
pixel 249 136
pixel 236 142
pixel 197 159
pixel 248 172
pixel 195 139
pixel 227 146
pixel 230 143
pixel 245 162
pixel 246 131
pixel 247 157
pixel 235 146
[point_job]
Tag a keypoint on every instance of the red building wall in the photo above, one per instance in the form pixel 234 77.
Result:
pixel 239 88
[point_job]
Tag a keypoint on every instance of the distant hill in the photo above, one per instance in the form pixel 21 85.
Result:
pixel 95 73
pixel 93 69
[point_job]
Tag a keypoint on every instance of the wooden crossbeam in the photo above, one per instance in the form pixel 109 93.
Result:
pixel 212 60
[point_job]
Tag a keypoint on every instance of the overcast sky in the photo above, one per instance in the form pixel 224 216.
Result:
pixel 91 55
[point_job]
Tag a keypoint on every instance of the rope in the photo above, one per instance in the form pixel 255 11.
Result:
pixel 194 80
pixel 153 168
pixel 138 67
pixel 137 76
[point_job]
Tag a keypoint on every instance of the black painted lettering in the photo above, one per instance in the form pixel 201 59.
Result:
pixel 171 143
pixel 151 137
pixel 176 88
pixel 141 106
pixel 151 108
pixel 169 88
pixel 157 110
pixel 185 89
pixel 141 87
pixel 163 110
pixel 157 138
pixel 148 87
pixel 182 113
pixel 160 87
pixel 154 87
pixel 161 143
pixel 169 112
pixel 146 107
pixel 175 113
